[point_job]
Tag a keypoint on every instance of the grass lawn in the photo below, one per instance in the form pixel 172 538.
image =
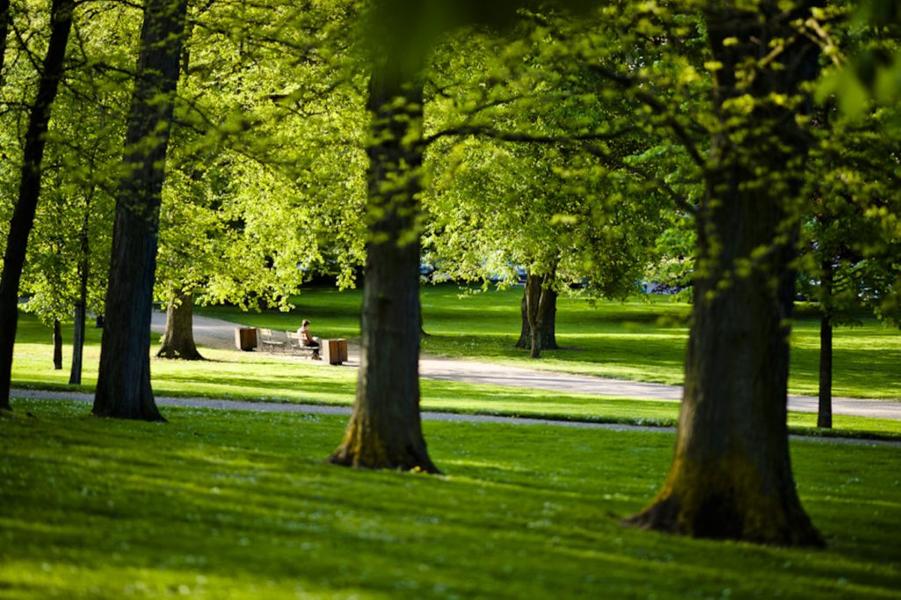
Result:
pixel 638 340
pixel 253 376
pixel 241 505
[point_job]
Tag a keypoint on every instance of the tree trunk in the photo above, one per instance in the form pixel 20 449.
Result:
pixel 548 330
pixel 385 429
pixel 178 340
pixel 533 294
pixel 30 187
pixel 123 382
pixel 731 475
pixel 78 344
pixel 57 345
pixel 82 304
pixel 824 408
pixel 824 413
pixel 539 313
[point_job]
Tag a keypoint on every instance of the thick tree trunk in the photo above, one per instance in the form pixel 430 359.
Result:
pixel 57 345
pixel 82 304
pixel 123 382
pixel 731 475
pixel 30 187
pixel 178 340
pixel 385 429
pixel 548 333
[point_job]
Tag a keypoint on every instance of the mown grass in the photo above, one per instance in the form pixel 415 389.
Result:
pixel 262 377
pixel 640 340
pixel 218 504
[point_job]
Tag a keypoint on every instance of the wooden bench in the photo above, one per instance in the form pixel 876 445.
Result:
pixel 285 342
pixel 272 341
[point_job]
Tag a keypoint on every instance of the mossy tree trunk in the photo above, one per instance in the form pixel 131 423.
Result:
pixel 178 339
pixel 548 317
pixel 123 382
pixel 30 186
pixel 731 475
pixel 385 429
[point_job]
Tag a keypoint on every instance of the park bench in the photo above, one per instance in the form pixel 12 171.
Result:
pixel 295 345
pixel 272 341
pixel 286 342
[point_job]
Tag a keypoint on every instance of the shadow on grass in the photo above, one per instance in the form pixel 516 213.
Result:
pixel 243 504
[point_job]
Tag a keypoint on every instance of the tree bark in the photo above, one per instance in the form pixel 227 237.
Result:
pixel 57 345
pixel 30 187
pixel 385 430
pixel 824 412
pixel 178 340
pixel 81 305
pixel 731 475
pixel 534 293
pixel 548 331
pixel 123 382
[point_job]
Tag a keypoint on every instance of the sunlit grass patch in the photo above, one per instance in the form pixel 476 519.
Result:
pixel 224 504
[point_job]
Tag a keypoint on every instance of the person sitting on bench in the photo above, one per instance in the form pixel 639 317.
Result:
pixel 306 339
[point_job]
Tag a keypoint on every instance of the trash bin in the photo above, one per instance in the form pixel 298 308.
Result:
pixel 246 338
pixel 334 352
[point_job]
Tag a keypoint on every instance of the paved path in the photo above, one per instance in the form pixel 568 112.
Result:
pixel 317 409
pixel 217 333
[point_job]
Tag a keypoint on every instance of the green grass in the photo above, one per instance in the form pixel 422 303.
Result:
pixel 260 377
pixel 241 505
pixel 637 340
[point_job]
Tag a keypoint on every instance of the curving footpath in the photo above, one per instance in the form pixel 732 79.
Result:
pixel 216 333
pixel 319 409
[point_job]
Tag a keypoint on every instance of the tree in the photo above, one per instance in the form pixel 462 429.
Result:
pixel 68 249
pixel 123 383
pixel 853 247
pixel 247 219
pixel 537 168
pixel 385 429
pixel 731 474
pixel 30 186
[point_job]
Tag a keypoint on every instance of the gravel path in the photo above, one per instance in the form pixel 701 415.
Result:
pixel 219 334
pixel 316 409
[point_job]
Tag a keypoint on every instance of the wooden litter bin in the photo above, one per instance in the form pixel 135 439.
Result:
pixel 246 338
pixel 334 352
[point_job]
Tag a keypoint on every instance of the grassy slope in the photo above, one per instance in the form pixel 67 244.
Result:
pixel 635 340
pixel 227 505
pixel 252 376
